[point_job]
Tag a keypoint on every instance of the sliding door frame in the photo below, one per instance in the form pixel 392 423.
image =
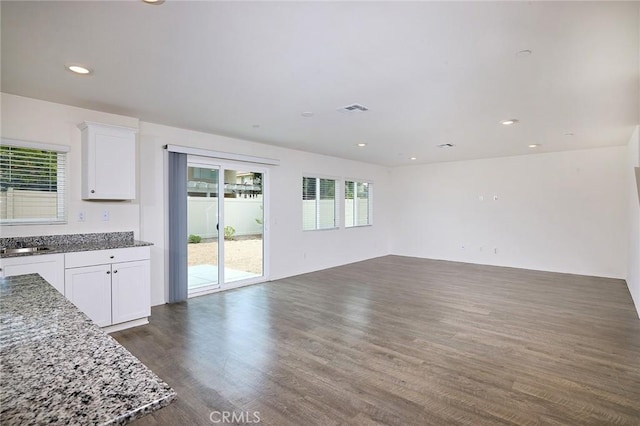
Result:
pixel 221 165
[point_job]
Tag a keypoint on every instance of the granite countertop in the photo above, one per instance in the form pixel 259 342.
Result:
pixel 59 367
pixel 72 243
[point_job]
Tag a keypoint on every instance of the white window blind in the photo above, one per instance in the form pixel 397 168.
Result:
pixel 32 184
pixel 357 203
pixel 318 203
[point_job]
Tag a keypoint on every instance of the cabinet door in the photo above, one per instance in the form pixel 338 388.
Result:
pixel 131 290
pixel 49 266
pixel 89 288
pixel 114 167
pixel 108 162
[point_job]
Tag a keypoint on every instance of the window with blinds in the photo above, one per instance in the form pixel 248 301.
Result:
pixel 32 185
pixel 318 203
pixel 357 203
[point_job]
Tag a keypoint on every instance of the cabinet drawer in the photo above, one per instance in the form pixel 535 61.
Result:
pixel 101 257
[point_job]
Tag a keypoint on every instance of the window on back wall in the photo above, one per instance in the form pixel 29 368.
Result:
pixel 32 183
pixel 318 203
pixel 357 203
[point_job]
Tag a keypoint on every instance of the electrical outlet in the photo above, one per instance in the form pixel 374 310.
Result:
pixel 81 216
pixel 105 215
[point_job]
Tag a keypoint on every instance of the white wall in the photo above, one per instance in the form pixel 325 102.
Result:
pixel 558 212
pixel 292 251
pixel 633 189
pixel 561 212
pixel 39 121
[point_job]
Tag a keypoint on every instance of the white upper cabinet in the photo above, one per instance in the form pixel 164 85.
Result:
pixel 108 162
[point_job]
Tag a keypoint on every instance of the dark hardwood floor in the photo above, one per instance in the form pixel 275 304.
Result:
pixel 400 341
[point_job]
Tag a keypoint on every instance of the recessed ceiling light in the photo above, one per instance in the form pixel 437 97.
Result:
pixel 569 134
pixel 523 53
pixel 307 114
pixel 413 158
pixel 509 122
pixel 534 145
pixel 361 144
pixel 153 1
pixel 78 69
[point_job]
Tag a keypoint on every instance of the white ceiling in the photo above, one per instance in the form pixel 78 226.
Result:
pixel 430 73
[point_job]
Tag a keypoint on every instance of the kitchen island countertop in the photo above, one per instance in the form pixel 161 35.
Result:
pixel 58 367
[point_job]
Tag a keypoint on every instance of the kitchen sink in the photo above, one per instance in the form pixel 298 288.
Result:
pixel 23 250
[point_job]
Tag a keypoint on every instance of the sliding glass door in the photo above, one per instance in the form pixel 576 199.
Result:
pixel 226 232
pixel 244 225
pixel 202 227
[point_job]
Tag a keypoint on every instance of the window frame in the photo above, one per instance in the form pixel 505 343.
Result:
pixel 61 183
pixel 356 181
pixel 336 201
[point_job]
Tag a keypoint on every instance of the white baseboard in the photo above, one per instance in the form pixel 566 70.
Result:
pixel 125 325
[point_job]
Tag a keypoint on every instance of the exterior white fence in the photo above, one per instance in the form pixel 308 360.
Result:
pixel 361 217
pixel 326 217
pixel 23 204
pixel 240 213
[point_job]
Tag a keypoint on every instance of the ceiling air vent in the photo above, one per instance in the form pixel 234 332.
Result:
pixel 446 145
pixel 353 108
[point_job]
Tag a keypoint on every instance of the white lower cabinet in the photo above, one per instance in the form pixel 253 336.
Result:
pixel 89 288
pixel 107 291
pixel 130 291
pixel 49 266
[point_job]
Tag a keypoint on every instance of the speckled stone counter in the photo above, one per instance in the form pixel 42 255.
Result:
pixel 72 243
pixel 58 367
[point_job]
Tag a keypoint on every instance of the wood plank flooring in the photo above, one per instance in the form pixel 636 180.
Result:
pixel 400 341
